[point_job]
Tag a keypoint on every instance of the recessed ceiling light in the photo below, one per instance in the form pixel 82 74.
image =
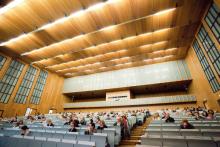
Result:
pixel 164 11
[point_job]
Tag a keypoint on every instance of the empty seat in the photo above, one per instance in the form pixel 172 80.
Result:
pixel 217 140
pixel 200 141
pixel 47 135
pixel 35 143
pixel 38 133
pixel 139 145
pixel 174 141
pixel 59 134
pixel 25 142
pixel 7 141
pixel 190 132
pixel 70 135
pixel 154 140
pixel 111 135
pixel 153 131
pixel 51 142
pixel 66 143
pixel 210 132
pixel 171 132
pixel 85 144
pixel 99 139
pixel 83 137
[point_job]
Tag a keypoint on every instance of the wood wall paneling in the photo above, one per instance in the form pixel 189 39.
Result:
pixel 51 97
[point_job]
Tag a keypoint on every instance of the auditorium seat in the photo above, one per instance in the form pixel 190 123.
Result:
pixel 66 143
pixel 211 132
pixel 59 134
pixel 99 139
pixel 81 137
pixel 71 135
pixel 154 140
pixel 190 132
pixel 111 135
pixel 174 141
pixel 172 132
pixel 139 145
pixel 85 144
pixel 51 142
pixel 217 140
pixel 200 141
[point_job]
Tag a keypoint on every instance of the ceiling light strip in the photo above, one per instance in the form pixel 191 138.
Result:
pixel 10 5
pixel 45 26
pixel 121 58
pixel 114 41
pixel 121 64
pixel 102 29
pixel 131 48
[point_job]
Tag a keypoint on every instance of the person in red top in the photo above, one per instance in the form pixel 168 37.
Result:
pixel 126 133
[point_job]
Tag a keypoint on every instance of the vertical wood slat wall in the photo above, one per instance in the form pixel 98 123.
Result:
pixel 51 97
pixel 213 38
pixel 200 86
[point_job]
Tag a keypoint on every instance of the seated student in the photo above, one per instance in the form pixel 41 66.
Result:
pixel 169 119
pixel 102 125
pixel 82 121
pixel 147 112
pixel 76 121
pixel 118 122
pixel 25 131
pixel 91 129
pixel 18 124
pixel 186 125
pixel 211 111
pixel 108 117
pixel 197 116
pixel 204 114
pixel 210 116
pixel 91 122
pixel 163 115
pixel 156 116
pixel 14 119
pixel 50 123
pixel 98 120
pixel 72 127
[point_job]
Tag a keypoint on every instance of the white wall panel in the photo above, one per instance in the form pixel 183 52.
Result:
pixel 143 75
pixel 134 102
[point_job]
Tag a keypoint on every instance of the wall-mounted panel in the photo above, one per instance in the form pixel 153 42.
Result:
pixel 134 102
pixel 143 75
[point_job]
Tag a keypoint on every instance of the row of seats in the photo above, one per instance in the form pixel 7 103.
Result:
pixel 184 132
pixel 177 126
pixel 162 134
pixel 30 141
pixel 179 141
pixel 99 138
pixel 191 121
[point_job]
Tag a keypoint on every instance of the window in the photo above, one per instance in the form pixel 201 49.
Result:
pixel 9 80
pixel 210 48
pixel 206 67
pixel 212 19
pixel 38 89
pixel 26 85
pixel 2 61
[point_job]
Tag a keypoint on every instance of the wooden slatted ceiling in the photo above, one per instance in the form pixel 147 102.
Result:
pixel 84 44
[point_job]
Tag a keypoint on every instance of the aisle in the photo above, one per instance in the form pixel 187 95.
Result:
pixel 136 134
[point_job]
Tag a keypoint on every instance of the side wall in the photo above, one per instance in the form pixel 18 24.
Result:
pixel 51 97
pixel 200 86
